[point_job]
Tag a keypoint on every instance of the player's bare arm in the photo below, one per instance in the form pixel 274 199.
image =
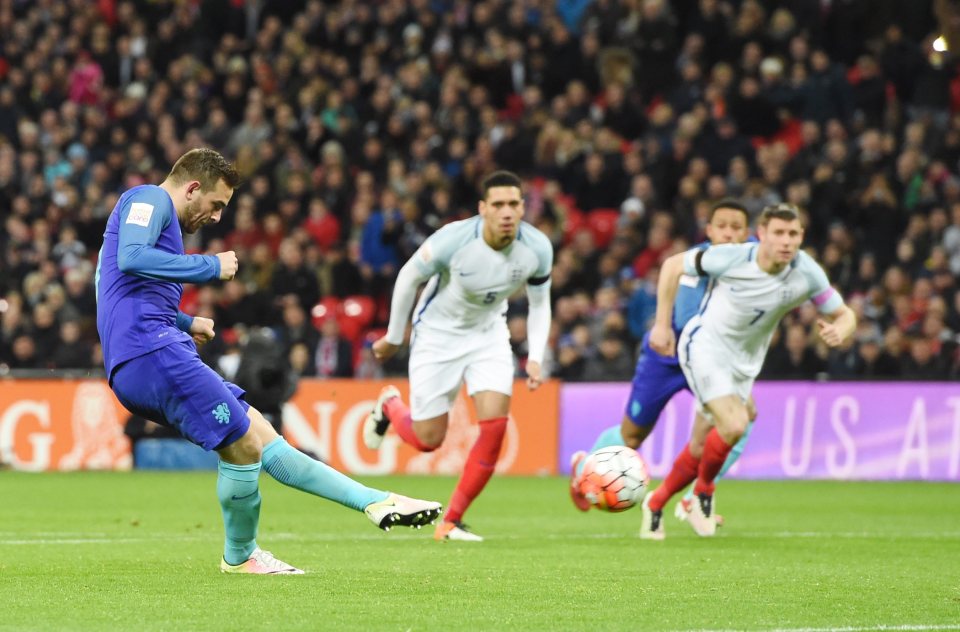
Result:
pixel 837 326
pixel 662 338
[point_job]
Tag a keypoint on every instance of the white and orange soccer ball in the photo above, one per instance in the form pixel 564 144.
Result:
pixel 614 478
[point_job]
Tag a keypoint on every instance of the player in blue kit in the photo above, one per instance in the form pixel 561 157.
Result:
pixel 658 378
pixel 153 367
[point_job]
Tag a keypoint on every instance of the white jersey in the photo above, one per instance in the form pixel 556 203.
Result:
pixel 470 281
pixel 744 304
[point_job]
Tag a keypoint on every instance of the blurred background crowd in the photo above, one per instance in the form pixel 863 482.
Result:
pixel 361 127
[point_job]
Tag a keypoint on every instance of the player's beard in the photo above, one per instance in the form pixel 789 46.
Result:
pixel 192 214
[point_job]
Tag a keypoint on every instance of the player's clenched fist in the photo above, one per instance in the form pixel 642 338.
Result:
pixel 830 333
pixel 383 350
pixel 201 330
pixel 663 340
pixel 228 264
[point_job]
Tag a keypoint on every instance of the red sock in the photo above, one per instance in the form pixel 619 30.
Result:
pixel 479 467
pixel 715 452
pixel 683 472
pixel 399 416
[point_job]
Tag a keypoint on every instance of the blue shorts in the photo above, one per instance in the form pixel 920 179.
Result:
pixel 655 381
pixel 172 386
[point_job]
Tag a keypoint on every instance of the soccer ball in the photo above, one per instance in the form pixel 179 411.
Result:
pixel 614 478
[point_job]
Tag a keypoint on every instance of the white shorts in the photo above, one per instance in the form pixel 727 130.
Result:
pixel 441 362
pixel 709 372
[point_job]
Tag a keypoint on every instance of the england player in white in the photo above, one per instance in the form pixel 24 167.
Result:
pixel 460 334
pixel 722 348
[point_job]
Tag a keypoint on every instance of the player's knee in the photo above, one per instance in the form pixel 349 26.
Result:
pixel 696 449
pixel 430 435
pixel 633 435
pixel 246 450
pixel 733 428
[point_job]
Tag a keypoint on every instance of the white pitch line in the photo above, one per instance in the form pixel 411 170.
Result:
pixel 76 538
pixel 892 628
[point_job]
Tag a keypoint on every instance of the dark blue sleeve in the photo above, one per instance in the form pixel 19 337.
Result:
pixel 137 255
pixel 184 322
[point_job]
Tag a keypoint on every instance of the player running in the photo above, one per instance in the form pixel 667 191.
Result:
pixel 722 348
pixel 153 367
pixel 460 334
pixel 658 378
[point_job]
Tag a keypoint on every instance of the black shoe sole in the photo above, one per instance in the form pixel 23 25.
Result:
pixel 415 520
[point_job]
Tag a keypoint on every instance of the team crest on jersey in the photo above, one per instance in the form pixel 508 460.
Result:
pixel 222 413
pixel 786 294
pixel 516 273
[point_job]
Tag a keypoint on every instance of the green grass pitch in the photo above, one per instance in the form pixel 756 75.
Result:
pixel 139 551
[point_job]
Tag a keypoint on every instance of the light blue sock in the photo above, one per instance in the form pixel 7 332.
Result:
pixel 735 453
pixel 610 436
pixel 239 495
pixel 294 468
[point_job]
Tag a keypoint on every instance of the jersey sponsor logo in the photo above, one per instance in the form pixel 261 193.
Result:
pixel 221 413
pixel 140 214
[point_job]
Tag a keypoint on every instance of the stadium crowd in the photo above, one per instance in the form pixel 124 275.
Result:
pixel 362 127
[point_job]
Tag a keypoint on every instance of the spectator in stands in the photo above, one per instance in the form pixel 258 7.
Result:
pixel 795 360
pixel 334 353
pixel 292 278
pixel 72 352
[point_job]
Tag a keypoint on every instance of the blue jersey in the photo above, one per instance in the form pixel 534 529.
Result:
pixel 139 272
pixel 690 295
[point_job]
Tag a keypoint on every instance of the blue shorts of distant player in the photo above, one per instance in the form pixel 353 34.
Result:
pixel 172 386
pixel 656 380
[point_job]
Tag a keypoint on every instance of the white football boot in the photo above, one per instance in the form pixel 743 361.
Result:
pixel 400 511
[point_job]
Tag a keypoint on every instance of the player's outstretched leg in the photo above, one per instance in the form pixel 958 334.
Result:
pixel 239 493
pixel 579 500
pixel 391 411
pixel 295 469
pixel 477 471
